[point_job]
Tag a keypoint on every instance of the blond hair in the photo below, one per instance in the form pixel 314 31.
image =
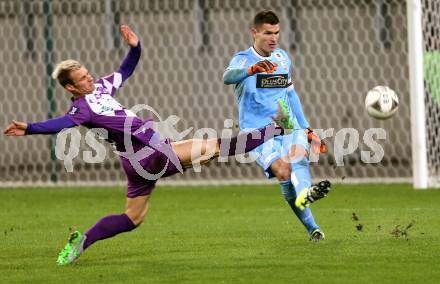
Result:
pixel 63 69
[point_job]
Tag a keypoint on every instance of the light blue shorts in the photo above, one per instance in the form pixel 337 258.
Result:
pixel 277 148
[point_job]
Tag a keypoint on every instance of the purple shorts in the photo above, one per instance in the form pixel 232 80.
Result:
pixel 143 175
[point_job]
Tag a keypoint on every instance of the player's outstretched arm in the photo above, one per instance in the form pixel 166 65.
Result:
pixel 129 36
pixel 16 128
pixel 129 63
pixel 50 126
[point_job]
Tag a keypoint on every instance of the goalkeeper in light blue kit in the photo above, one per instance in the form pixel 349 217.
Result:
pixel 263 83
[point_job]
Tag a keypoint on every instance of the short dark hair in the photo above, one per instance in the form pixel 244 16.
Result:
pixel 265 17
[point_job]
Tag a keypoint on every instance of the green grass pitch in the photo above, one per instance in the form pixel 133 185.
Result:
pixel 228 234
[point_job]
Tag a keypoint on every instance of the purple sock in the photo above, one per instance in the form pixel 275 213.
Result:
pixel 247 141
pixel 108 227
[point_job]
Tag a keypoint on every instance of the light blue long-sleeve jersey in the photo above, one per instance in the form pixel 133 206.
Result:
pixel 257 95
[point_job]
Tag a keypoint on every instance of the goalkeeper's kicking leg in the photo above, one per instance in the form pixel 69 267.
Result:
pixel 281 169
pixel 305 193
pixel 286 159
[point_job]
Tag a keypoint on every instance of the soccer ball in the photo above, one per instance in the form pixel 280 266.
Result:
pixel 381 102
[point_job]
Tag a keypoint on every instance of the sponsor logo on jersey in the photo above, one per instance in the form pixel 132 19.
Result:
pixel 279 55
pixel 74 110
pixel 284 65
pixel 106 108
pixel 101 90
pixel 272 81
pixel 242 62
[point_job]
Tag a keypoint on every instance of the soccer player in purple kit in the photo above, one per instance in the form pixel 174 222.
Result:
pixel 94 106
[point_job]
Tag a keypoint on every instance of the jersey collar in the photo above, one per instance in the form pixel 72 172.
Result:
pixel 258 55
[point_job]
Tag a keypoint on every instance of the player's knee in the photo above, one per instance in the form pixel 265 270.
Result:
pixel 297 153
pixel 136 216
pixel 137 219
pixel 283 172
pixel 210 147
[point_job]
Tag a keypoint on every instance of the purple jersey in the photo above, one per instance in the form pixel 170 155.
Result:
pixel 100 110
pixel 154 156
pixel 146 157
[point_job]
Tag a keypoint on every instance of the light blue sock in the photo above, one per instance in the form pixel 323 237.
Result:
pixel 304 216
pixel 300 175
